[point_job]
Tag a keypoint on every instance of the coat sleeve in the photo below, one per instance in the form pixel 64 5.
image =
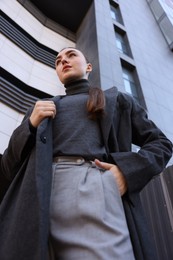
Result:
pixel 153 155
pixel 19 147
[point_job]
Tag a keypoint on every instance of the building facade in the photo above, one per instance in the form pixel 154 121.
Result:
pixel 129 43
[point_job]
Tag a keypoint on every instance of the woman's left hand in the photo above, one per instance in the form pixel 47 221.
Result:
pixel 119 177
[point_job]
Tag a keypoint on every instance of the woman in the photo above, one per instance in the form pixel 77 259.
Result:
pixel 88 206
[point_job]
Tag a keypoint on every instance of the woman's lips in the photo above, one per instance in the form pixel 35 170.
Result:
pixel 66 67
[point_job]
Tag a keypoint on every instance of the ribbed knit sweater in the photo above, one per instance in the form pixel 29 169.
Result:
pixel 74 133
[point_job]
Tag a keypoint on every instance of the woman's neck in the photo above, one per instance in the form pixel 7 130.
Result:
pixel 77 87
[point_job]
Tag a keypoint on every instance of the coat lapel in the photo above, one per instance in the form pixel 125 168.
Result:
pixel 110 112
pixel 42 128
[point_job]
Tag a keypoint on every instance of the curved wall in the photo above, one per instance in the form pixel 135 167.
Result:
pixel 28 50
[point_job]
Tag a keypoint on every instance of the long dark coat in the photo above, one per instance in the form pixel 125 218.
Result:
pixel 27 163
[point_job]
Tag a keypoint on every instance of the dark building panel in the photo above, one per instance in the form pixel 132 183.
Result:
pixel 66 13
pixel 157 200
pixel 86 41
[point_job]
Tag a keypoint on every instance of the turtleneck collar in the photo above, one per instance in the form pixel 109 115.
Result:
pixel 77 87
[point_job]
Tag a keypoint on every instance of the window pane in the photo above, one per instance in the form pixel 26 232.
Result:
pixel 121 43
pixel 127 86
pixel 129 83
pixel 127 74
pixel 134 90
pixel 115 14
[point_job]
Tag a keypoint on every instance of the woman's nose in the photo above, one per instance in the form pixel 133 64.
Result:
pixel 63 61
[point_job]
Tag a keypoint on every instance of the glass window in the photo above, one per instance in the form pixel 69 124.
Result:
pixel 116 14
pixel 130 83
pixel 122 44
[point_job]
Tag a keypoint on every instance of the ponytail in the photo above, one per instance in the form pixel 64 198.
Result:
pixel 95 103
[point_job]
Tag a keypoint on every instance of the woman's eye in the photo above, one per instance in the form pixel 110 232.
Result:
pixel 57 62
pixel 72 54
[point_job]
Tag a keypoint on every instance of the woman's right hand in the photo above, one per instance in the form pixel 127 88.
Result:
pixel 42 109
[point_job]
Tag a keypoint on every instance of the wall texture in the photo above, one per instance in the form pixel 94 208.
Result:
pixel 26 68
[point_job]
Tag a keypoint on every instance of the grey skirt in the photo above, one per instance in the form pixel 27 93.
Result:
pixel 87 220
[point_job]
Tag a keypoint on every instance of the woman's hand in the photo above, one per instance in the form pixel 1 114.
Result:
pixel 119 177
pixel 42 109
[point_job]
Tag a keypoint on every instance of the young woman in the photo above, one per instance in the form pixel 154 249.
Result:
pixel 75 182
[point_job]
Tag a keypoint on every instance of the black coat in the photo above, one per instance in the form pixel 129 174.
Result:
pixel 27 163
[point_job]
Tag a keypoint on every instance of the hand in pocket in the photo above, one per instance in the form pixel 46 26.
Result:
pixel 119 177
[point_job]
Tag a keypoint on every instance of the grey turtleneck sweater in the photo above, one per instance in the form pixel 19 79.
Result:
pixel 74 134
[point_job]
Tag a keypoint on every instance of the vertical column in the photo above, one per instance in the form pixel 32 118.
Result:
pixel 109 62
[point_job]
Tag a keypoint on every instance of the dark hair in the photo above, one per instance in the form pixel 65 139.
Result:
pixel 96 103
pixel 96 99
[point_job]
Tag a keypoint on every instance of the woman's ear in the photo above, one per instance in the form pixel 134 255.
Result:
pixel 89 67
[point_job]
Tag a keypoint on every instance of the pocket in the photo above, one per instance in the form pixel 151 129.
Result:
pixel 110 179
pixel 111 190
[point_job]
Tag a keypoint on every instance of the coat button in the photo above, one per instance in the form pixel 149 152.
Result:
pixel 43 139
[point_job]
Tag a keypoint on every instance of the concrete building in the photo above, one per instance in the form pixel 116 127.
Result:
pixel 129 43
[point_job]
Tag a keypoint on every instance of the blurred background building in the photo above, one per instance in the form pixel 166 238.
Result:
pixel 129 43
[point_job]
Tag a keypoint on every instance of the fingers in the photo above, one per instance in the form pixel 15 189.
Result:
pixel 116 172
pixel 42 109
pixel 46 108
pixel 106 166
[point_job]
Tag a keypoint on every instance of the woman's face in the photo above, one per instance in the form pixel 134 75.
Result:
pixel 71 65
